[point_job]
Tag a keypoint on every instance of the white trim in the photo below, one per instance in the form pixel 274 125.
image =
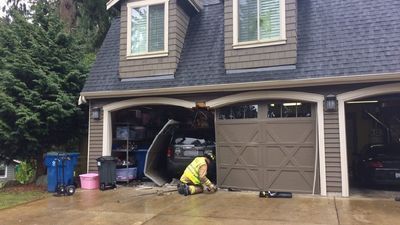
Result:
pixel 343 149
pixel 255 44
pixel 248 86
pixel 147 54
pixel 349 96
pixel 111 3
pixel 108 109
pixel 258 43
pixel 6 170
pixel 259 95
pixel 88 150
pixel 292 95
pixel 195 6
pixel 283 19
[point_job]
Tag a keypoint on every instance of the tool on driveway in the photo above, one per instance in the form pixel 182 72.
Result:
pixel 62 187
pixel 273 194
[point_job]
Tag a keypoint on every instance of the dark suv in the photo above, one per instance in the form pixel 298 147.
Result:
pixel 378 165
pixel 185 145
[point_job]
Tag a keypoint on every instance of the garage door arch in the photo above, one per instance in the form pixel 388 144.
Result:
pixel 349 96
pixel 115 106
pixel 285 95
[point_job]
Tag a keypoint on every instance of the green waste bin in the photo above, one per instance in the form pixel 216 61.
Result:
pixel 107 172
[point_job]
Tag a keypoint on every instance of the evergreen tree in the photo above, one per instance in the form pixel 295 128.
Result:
pixel 42 71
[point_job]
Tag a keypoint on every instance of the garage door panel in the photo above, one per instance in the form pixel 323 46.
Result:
pixel 238 133
pixel 247 155
pixel 305 155
pixel 274 156
pixel 224 155
pixel 293 181
pixel 267 154
pixel 246 178
pixel 290 132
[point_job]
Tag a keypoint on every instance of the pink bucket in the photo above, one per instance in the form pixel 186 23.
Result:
pixel 89 181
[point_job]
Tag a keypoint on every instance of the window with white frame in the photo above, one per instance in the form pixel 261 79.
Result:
pixel 147 28
pixel 259 21
pixel 3 170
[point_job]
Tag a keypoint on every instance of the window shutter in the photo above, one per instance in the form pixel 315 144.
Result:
pixel 139 30
pixel 269 19
pixel 156 28
pixel 247 20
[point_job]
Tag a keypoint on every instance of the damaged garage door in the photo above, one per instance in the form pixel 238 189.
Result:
pixel 156 159
pixel 259 149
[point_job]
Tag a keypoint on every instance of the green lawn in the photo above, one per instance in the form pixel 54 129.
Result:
pixel 8 199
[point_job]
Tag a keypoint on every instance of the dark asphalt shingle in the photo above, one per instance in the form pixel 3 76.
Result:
pixel 335 38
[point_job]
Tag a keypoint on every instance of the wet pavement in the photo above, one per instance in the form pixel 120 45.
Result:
pixel 159 207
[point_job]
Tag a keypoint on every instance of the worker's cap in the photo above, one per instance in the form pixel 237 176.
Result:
pixel 209 156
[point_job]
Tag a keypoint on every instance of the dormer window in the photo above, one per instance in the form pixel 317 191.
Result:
pixel 258 23
pixel 147 29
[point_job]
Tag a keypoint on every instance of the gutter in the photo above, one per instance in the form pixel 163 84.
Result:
pixel 247 86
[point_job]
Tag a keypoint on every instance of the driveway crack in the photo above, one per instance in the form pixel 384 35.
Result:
pixel 337 213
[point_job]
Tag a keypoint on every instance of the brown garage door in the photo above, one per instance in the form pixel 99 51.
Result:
pixel 266 154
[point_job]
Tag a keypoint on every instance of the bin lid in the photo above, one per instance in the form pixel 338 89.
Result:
pixel 62 153
pixel 106 158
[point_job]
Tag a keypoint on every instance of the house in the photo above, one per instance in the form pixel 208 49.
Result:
pixel 7 170
pixel 292 84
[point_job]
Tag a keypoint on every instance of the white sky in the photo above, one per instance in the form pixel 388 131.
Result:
pixel 3 3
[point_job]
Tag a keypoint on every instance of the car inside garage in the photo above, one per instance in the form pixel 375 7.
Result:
pixel 151 131
pixel 373 140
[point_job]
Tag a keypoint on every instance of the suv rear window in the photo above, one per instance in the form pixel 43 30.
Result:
pixel 189 141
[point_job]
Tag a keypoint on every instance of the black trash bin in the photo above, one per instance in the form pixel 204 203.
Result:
pixel 106 166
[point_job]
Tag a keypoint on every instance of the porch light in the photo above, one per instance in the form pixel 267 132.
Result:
pixel 96 113
pixel 330 103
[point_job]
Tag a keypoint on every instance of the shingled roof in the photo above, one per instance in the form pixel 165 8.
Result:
pixel 335 38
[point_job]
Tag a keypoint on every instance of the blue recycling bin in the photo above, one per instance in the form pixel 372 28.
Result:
pixel 140 156
pixel 57 162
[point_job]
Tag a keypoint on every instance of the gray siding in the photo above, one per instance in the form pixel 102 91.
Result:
pixel 177 25
pixel 10 173
pixel 332 152
pixel 276 55
pixel 95 148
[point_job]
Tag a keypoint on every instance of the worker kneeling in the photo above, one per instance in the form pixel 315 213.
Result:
pixel 194 178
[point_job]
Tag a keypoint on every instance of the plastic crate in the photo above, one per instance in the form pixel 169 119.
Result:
pixel 125 174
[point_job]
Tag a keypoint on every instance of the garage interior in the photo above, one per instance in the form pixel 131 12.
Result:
pixel 372 121
pixel 135 128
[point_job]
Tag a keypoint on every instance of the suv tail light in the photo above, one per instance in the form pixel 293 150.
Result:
pixel 375 164
pixel 170 152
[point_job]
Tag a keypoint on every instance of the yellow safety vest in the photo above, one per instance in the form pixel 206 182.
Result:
pixel 192 171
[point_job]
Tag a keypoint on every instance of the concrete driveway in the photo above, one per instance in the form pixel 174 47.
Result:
pixel 129 206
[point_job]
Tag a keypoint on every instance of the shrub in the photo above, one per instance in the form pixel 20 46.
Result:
pixel 25 172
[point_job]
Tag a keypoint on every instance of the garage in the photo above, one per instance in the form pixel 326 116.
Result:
pixel 142 138
pixel 267 145
pixel 372 134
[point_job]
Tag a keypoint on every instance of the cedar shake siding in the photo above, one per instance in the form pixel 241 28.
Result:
pixel 177 26
pixel 268 56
